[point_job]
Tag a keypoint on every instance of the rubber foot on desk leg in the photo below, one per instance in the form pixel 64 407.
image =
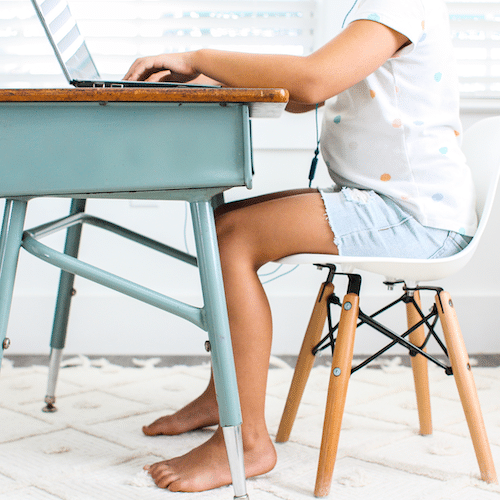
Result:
pixel 50 408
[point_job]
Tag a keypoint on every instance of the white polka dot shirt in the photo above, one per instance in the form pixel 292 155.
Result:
pixel 398 131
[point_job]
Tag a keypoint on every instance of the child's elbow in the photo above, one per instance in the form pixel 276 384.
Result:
pixel 313 91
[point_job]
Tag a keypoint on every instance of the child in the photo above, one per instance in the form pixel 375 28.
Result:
pixel 391 142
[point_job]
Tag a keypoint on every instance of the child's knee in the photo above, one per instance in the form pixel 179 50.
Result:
pixel 230 229
pixel 234 236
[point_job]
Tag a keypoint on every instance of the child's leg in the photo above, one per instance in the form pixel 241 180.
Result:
pixel 203 412
pixel 250 235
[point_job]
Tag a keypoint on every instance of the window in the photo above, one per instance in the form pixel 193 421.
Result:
pixel 118 31
pixel 475 28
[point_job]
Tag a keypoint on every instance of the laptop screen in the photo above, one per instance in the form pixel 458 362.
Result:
pixel 66 40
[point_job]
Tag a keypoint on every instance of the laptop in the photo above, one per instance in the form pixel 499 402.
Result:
pixel 72 51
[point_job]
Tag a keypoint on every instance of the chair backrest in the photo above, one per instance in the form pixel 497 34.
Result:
pixel 481 146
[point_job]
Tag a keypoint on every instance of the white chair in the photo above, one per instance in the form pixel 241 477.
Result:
pixel 481 145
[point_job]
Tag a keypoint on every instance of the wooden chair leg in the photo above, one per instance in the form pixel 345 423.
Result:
pixel 419 367
pixel 305 362
pixel 466 387
pixel 337 391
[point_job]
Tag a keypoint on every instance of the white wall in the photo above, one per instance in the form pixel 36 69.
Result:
pixel 104 322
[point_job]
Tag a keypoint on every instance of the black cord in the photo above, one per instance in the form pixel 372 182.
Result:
pixel 314 163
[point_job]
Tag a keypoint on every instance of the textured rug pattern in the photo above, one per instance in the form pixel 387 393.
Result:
pixel 93 447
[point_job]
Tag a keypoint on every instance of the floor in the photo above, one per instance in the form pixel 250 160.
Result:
pixel 92 447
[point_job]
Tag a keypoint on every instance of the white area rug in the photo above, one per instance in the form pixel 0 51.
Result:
pixel 93 447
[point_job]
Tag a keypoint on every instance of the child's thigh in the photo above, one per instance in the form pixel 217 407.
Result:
pixel 274 226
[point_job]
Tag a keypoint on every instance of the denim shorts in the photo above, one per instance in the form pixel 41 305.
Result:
pixel 367 224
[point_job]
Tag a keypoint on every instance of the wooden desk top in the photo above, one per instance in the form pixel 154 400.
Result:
pixel 262 102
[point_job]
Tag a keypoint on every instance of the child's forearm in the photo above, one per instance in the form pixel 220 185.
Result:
pixel 341 63
pixel 258 71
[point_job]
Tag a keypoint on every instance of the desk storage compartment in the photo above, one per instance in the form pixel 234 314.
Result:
pixel 55 149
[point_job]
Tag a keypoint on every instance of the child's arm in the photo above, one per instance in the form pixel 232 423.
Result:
pixel 347 59
pixel 298 107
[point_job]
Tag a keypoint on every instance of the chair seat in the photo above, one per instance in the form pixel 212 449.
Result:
pixel 416 270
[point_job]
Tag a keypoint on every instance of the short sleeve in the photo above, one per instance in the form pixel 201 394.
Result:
pixel 404 16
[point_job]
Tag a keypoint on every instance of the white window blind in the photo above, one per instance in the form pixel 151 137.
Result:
pixel 118 31
pixel 475 27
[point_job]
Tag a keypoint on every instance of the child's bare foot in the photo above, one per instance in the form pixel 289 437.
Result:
pixel 207 467
pixel 202 412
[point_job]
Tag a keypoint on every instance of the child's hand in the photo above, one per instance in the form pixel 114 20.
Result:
pixel 163 68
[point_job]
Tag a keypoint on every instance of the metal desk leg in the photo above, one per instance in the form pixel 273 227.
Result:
pixel 10 243
pixel 234 448
pixel 3 234
pixel 61 315
pixel 220 340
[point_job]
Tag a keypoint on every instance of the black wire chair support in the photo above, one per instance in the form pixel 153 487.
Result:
pixel 430 321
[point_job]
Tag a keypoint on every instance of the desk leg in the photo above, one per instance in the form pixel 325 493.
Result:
pixel 10 243
pixel 220 340
pixel 61 315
